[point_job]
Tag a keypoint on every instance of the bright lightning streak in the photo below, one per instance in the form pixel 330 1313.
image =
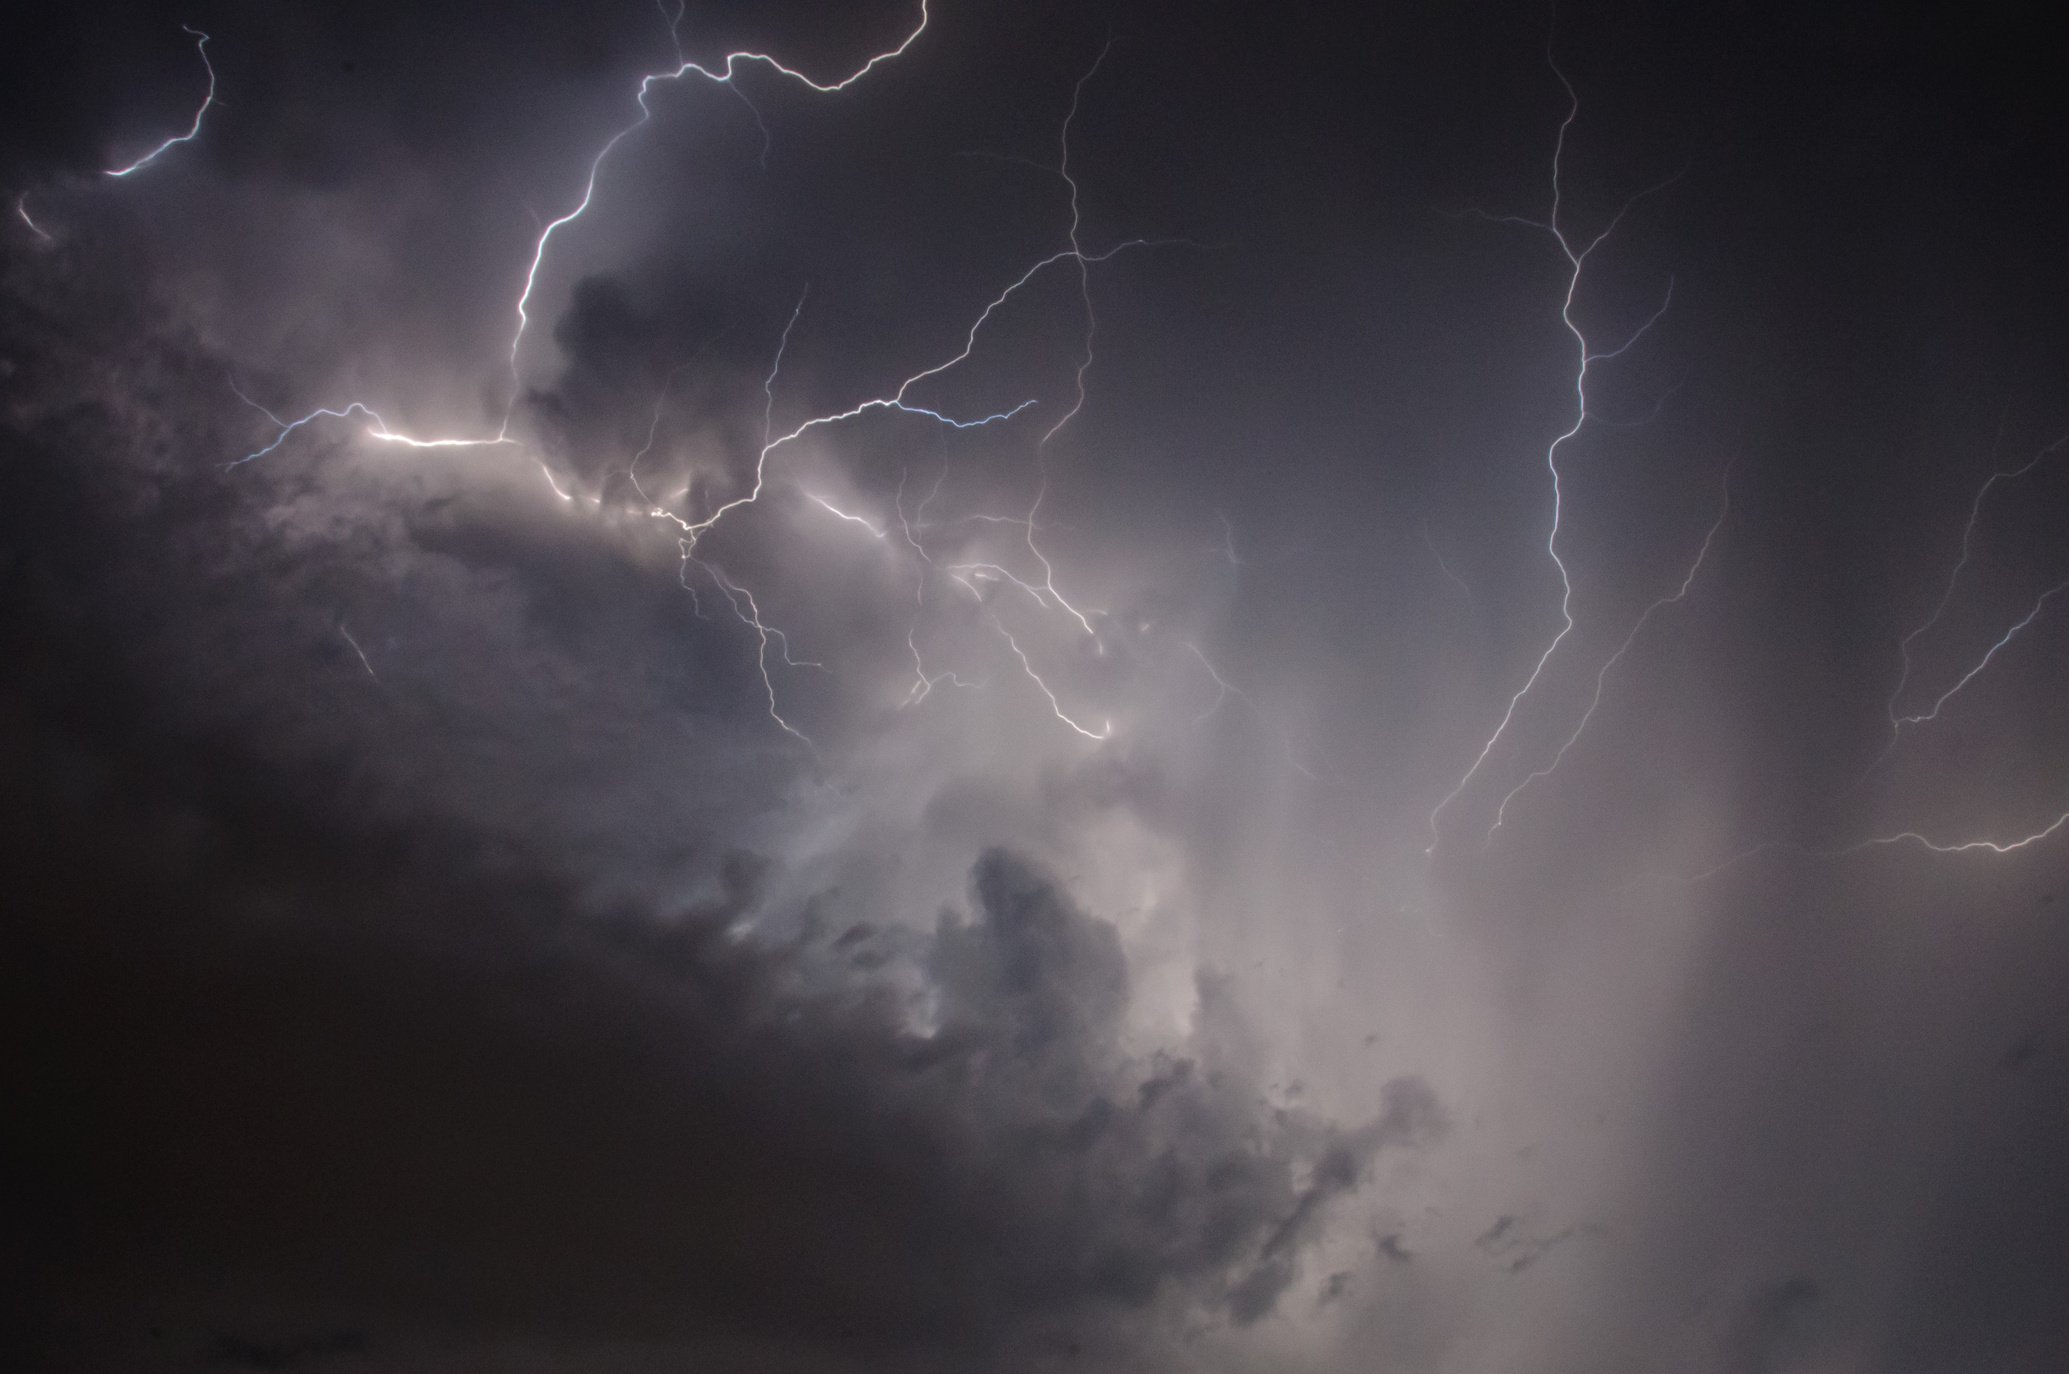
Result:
pixel 924 683
pixel 1962 847
pixel 893 402
pixel 201 49
pixel 752 617
pixel 899 399
pixel 1968 534
pixel 1576 260
pixel 1903 837
pixel 377 429
pixel 558 490
pixel 723 76
pixel 1601 677
pixel 919 591
pixel 875 531
pixel 1103 733
pixel 761 464
pixel 1044 593
pixel 1983 662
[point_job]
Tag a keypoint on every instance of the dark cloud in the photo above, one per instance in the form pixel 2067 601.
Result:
pixel 365 1055
pixel 461 1072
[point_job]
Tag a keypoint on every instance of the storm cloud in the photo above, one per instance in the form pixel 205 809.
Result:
pixel 1089 703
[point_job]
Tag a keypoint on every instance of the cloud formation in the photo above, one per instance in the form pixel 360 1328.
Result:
pixel 972 908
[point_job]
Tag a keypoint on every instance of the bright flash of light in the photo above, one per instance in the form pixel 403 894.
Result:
pixel 193 131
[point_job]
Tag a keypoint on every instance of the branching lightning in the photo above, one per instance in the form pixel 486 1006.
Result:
pixel 969 575
pixel 1585 355
pixel 1040 582
pixel 1933 712
pixel 1008 574
pixel 193 131
pixel 1897 721
pixel 1902 837
pixel 722 75
pixel 875 531
pixel 208 102
pixel 376 428
pixel 1103 732
pixel 752 617
pixel 1602 676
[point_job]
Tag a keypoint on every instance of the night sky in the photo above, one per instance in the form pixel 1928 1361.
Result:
pixel 1034 687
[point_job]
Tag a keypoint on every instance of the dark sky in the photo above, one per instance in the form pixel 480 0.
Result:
pixel 1226 802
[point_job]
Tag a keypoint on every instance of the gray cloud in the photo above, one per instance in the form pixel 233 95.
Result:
pixel 474 1057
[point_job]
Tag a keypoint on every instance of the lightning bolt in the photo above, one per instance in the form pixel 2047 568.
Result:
pixel 993 584
pixel 376 428
pixel 894 402
pixel 208 101
pixel 1968 535
pixel 1902 837
pixel 721 75
pixel 1040 581
pixel 1027 665
pixel 1934 711
pixel 875 531
pixel 1602 676
pixel 1576 262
